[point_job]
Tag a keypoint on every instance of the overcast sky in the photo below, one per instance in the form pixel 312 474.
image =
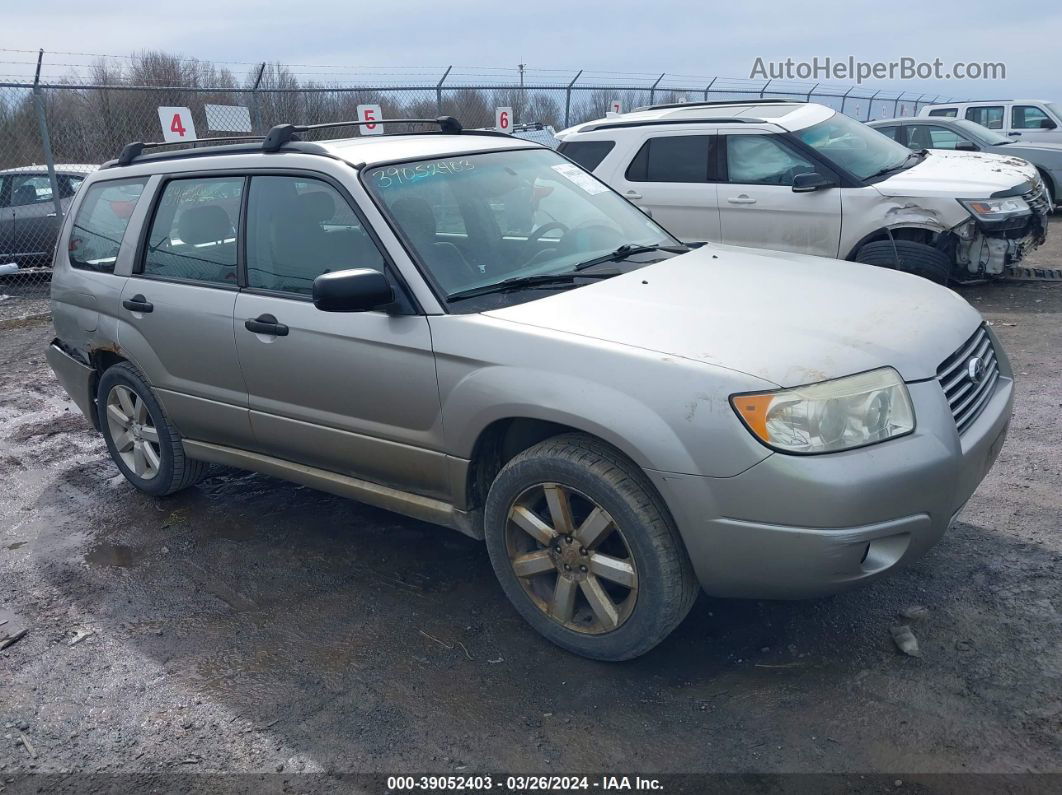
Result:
pixel 686 37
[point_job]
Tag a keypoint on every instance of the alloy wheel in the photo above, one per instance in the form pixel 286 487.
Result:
pixel 133 432
pixel 571 558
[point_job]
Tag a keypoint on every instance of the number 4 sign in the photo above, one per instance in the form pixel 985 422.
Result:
pixel 177 124
pixel 503 119
pixel 370 113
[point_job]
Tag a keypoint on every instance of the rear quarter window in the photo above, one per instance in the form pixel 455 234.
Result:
pixel 947 113
pixel 101 222
pixel 587 154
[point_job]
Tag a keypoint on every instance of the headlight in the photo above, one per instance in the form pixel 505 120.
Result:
pixel 996 209
pixel 847 412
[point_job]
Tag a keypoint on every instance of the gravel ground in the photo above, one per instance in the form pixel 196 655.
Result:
pixel 250 625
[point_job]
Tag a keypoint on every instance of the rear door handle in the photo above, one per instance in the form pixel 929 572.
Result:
pixel 742 199
pixel 138 303
pixel 633 194
pixel 266 324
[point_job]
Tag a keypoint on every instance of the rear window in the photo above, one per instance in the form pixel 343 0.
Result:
pixel 677 158
pixel 101 222
pixel 587 154
pixel 990 116
pixel 948 113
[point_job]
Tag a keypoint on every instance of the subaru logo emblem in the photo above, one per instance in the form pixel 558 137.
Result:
pixel 975 369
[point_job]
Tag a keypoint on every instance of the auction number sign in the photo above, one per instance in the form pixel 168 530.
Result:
pixel 177 124
pixel 616 106
pixel 370 113
pixel 503 119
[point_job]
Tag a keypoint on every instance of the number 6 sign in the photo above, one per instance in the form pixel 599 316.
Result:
pixel 370 113
pixel 177 124
pixel 503 119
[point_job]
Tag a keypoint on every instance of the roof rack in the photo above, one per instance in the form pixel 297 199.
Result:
pixel 720 103
pixel 278 137
pixel 282 133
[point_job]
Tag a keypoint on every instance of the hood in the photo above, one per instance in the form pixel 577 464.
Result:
pixel 962 175
pixel 786 318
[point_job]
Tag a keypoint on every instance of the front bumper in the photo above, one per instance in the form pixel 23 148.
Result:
pixel 801 526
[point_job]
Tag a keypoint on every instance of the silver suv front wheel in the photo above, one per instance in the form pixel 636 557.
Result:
pixel 585 549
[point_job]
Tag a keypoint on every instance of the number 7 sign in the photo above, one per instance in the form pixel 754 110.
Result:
pixel 177 124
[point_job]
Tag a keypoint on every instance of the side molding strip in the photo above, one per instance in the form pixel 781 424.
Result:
pixel 413 505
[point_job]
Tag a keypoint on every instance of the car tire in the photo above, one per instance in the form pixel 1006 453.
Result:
pixel 631 548
pixel 139 436
pixel 909 257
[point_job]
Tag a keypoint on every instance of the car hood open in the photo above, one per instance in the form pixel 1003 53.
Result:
pixel 786 318
pixel 962 175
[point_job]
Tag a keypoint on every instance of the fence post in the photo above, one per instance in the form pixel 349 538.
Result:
pixel 257 125
pixel 438 89
pixel 845 97
pixel 568 99
pixel 708 88
pixel 46 141
pixel 812 91
pixel 765 86
pixel 652 90
pixel 870 104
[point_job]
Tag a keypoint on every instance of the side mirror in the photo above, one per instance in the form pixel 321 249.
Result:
pixel 812 181
pixel 1047 124
pixel 966 146
pixel 355 290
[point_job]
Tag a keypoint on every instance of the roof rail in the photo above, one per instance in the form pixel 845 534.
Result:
pixel 282 133
pixel 132 151
pixel 610 125
pixel 720 103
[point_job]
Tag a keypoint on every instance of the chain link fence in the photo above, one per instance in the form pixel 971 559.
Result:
pixel 54 131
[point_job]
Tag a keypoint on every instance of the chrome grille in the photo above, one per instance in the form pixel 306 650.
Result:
pixel 966 395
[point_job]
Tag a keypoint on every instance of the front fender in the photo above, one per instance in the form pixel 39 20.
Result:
pixel 666 413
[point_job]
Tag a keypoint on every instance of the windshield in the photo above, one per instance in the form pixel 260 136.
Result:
pixel 853 146
pixel 475 220
pixel 982 135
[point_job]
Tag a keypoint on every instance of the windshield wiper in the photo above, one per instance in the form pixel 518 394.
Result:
pixel 528 282
pixel 627 250
pixel 889 169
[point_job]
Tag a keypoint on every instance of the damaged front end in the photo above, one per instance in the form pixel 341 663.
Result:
pixel 1002 230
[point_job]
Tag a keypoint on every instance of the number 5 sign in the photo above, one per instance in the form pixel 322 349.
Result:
pixel 177 124
pixel 370 113
pixel 503 119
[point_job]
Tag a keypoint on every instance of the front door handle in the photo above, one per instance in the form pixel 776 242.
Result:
pixel 742 199
pixel 138 303
pixel 1014 134
pixel 633 194
pixel 266 324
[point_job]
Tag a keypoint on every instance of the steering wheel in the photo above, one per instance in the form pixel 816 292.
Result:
pixel 549 226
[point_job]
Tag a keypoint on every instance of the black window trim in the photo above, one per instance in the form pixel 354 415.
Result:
pixel 74 212
pixel 405 299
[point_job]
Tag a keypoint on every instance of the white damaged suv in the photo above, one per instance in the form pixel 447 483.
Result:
pixel 800 177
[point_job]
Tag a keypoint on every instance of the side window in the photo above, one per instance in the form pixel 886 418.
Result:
pixel 763 160
pixel 948 113
pixel 889 131
pixel 193 234
pixel 990 116
pixel 1028 117
pixel 587 154
pixel 68 184
pixel 101 221
pixel 930 136
pixel 30 189
pixel 673 158
pixel 299 228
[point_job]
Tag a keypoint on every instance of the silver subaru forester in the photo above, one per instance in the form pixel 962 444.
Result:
pixel 469 329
